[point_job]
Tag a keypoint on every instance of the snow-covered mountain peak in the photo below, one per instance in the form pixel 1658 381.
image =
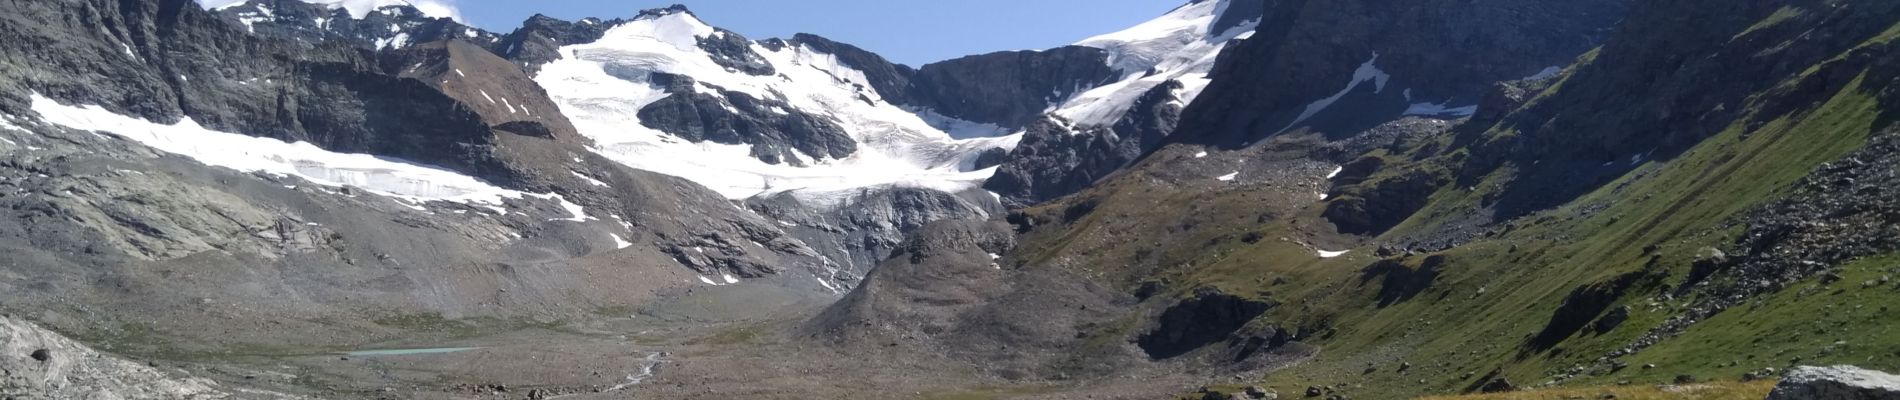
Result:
pixel 606 87
pixel 681 30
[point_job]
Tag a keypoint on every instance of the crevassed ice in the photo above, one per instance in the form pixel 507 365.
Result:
pixel 602 86
pixel 1180 45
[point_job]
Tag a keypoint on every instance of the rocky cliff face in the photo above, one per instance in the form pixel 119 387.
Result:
pixel 1055 159
pixel 865 228
pixel 1653 53
pixel 540 38
pixel 506 98
pixel 1008 88
pixel 390 27
pixel 146 143
pixel 1369 63
pixel 166 60
pixel 775 131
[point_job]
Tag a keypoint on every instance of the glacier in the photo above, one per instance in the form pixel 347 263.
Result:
pixel 603 85
pixel 411 182
pixel 1179 45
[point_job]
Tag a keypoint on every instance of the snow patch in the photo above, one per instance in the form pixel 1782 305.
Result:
pixel 1332 254
pixel 394 42
pixel 1367 72
pixel 1336 171
pixel 414 183
pixel 620 243
pixel 1228 177
pixel 576 212
pixel 590 180
pixel 1440 109
pixel 1546 73
pixel 1202 154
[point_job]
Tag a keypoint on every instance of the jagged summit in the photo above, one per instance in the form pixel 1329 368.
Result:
pixel 665 11
pixel 358 9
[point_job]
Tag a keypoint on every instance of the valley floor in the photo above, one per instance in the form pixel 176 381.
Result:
pixel 679 349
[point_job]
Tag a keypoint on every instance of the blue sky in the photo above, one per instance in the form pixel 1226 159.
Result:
pixel 906 31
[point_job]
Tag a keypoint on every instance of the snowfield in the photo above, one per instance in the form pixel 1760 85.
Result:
pixel 415 183
pixel 602 86
pixel 1179 45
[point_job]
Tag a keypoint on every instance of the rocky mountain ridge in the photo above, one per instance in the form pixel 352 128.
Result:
pixel 1239 196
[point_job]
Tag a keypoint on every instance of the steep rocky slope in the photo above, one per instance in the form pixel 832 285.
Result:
pixel 41 362
pixel 1684 198
pixel 1341 67
pixel 371 25
pixel 179 186
pixel 1346 199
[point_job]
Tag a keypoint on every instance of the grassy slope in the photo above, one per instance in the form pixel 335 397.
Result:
pixel 1497 292
pixel 1713 391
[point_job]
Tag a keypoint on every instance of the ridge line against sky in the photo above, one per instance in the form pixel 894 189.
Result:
pixel 912 32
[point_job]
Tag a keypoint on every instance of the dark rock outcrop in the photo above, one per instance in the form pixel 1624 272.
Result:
pixel 1053 161
pixel 773 128
pixel 734 51
pixel 1308 50
pixel 1207 318
pixel 1582 306
pixel 1009 88
pixel 540 38
pixel 1375 206
pixel 311 24
pixel 1399 282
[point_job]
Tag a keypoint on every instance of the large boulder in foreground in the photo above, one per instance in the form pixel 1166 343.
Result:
pixel 1841 382
pixel 37 363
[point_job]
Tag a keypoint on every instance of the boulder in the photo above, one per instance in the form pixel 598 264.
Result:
pixel 1842 382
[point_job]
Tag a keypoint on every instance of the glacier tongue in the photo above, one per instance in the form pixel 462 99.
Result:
pixel 602 86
